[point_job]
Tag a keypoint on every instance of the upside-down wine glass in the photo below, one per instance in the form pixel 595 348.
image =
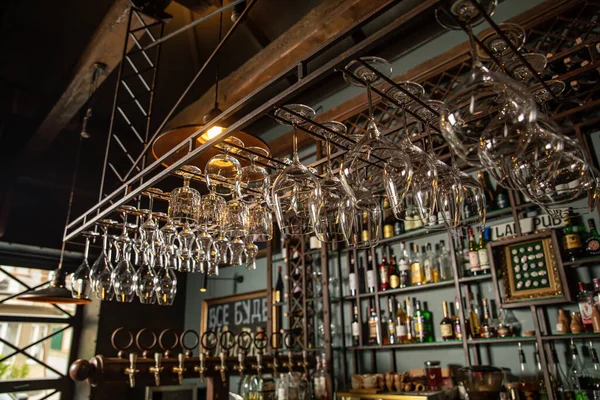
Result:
pixel 372 166
pixel 81 284
pixel 122 275
pixel 144 278
pixel 102 267
pixel 334 209
pixel 489 115
pixel 165 283
pixel 296 187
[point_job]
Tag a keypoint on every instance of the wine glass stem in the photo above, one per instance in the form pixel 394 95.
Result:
pixel 295 143
pixel 87 249
pixel 474 58
pixel 105 241
pixel 150 203
pixel 328 150
pixel 369 99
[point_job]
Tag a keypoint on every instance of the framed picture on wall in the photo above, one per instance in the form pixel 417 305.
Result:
pixel 245 312
pixel 531 269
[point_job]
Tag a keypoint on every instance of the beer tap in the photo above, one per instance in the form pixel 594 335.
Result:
pixel 225 347
pixel 207 344
pixel 157 368
pixel 244 340
pixel 180 368
pixel 131 371
pixel 275 345
pixel 260 342
pixel 304 364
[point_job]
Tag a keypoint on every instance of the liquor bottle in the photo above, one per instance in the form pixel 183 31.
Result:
pixel 584 299
pixel 572 246
pixel 595 375
pixel 474 324
pixel 403 266
pixel 482 252
pixel 444 262
pixel 371 277
pixel 374 334
pixel 421 334
pixel 408 322
pixel 391 322
pixel 487 325
pixel 456 320
pixel 398 227
pixel 527 386
pixel 384 270
pixel 490 196
pixel 410 214
pixel 462 259
pixel 427 263
pixel 394 273
pixel 352 282
pixel 592 243
pixel 282 386
pixel 416 267
pixel 401 331
pixel 578 374
pixel 501 197
pixel 539 375
pixel 388 219
pixel 473 255
pixel 596 297
pixel 360 276
pixel 355 328
pixel 279 293
pixel 446 324
pixel 320 379
pixel 564 389
pixel 365 227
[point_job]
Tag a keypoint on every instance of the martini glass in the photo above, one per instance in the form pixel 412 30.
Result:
pixel 296 187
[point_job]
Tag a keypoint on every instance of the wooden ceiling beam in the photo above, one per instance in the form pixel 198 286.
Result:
pixel 105 46
pixel 321 24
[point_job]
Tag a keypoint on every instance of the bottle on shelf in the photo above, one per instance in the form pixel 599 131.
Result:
pixel 490 196
pixel 398 227
pixel 391 322
pixel 539 375
pixel 482 252
pixel 401 331
pixel 416 267
pixel 352 280
pixel 394 273
pixel 365 227
pixel 371 276
pixel 388 219
pixel 457 330
pixel 576 325
pixel 283 386
pixel 384 270
pixel 488 328
pixel 595 374
pixel 572 247
pixel 474 268
pixel 360 275
pixel 527 386
pixel 584 299
pixel 446 324
pixel 355 328
pixel 408 322
pixel 320 379
pixel 427 263
pixel 404 266
pixel 596 296
pixel 279 293
pixel 474 323
pixel 410 214
pixel 578 374
pixel 562 324
pixel 444 262
pixel 422 318
pixel 564 389
pixel 374 328
pixel 501 197
pixel 592 243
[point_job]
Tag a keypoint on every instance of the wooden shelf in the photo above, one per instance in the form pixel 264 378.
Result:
pixel 449 343
pixel 499 340
pixel 393 292
pixel 469 279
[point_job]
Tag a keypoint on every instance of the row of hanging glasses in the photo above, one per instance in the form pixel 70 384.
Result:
pixel 489 120
pixel 198 234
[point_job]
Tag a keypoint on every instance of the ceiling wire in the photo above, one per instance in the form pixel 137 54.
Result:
pixel 217 57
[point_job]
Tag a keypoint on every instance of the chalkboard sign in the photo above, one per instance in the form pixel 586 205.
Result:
pixel 239 313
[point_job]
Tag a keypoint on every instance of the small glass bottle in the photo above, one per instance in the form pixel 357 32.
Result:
pixel 578 375
pixel 446 324
pixel 404 266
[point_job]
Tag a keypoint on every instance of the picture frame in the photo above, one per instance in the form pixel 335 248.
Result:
pixel 238 313
pixel 530 269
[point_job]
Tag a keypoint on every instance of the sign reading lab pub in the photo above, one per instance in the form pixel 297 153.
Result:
pixel 528 224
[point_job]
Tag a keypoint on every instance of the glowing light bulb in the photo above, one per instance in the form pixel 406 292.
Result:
pixel 214 132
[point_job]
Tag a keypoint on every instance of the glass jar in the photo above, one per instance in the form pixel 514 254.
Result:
pixel 433 371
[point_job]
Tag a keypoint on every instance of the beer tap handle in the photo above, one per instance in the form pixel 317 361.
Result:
pixel 131 371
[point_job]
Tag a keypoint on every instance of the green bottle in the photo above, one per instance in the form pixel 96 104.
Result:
pixel 423 325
